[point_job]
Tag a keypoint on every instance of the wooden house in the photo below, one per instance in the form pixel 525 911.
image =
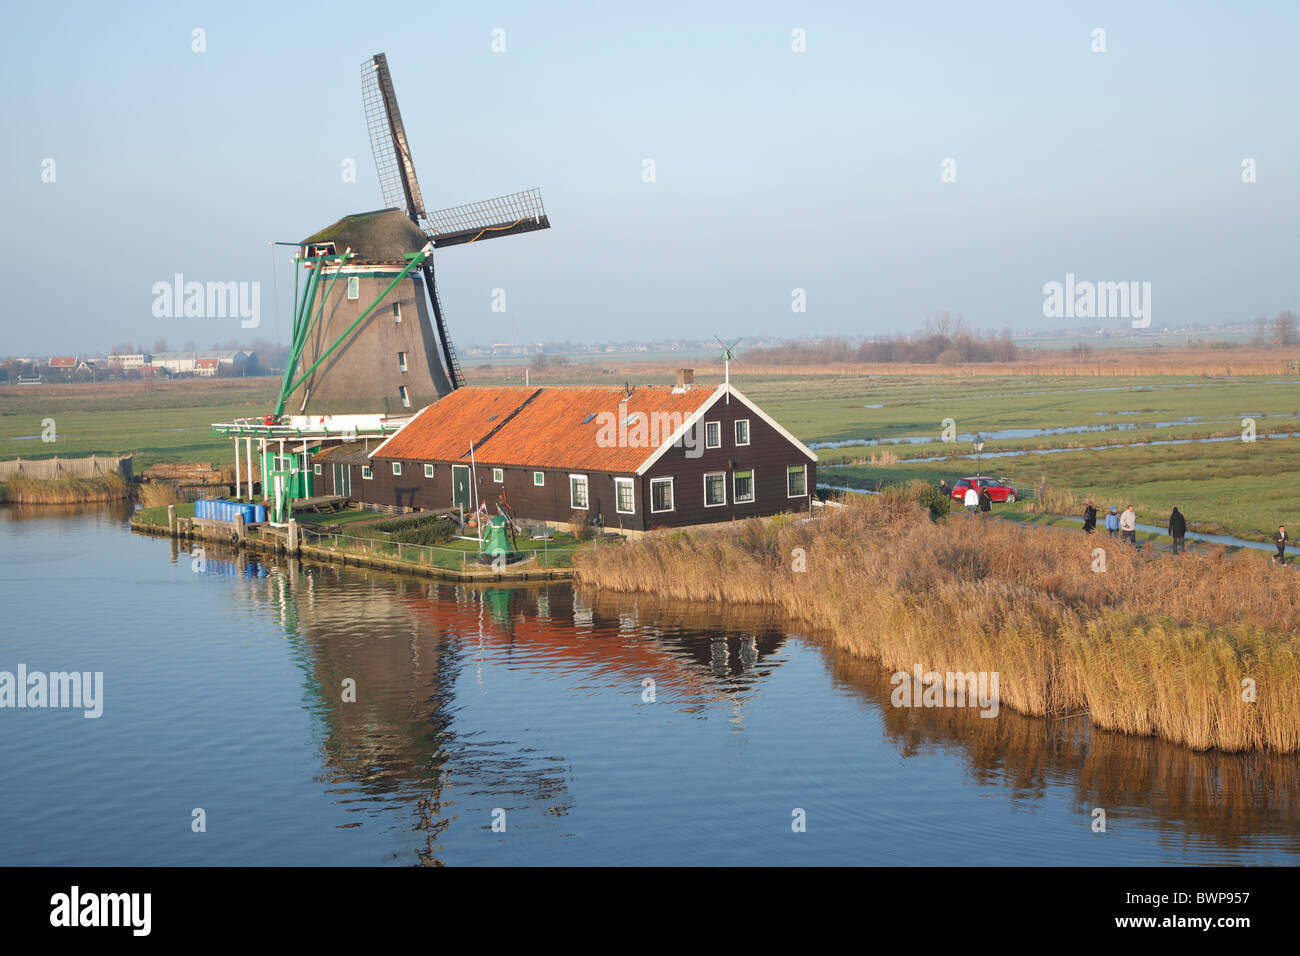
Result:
pixel 630 459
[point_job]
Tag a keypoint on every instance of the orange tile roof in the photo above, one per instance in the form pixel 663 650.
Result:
pixel 546 427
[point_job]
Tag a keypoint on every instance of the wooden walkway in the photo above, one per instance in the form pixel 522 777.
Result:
pixel 322 504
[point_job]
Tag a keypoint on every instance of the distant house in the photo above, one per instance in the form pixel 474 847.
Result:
pixel 633 460
pixel 134 360
pixel 65 363
pixel 221 361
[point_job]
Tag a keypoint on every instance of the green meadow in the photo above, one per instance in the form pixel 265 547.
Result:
pixel 1232 487
pixel 171 424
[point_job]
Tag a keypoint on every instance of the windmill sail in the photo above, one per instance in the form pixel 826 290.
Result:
pixel 388 138
pixel 487 219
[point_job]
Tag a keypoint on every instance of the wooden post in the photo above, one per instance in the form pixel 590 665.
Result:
pixel 171 520
pixel 293 535
pixel 239 528
pixel 248 455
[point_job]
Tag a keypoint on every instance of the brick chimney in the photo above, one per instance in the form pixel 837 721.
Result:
pixel 685 378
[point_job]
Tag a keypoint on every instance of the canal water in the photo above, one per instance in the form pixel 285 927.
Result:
pixel 590 731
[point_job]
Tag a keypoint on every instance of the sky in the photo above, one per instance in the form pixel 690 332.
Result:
pixel 775 169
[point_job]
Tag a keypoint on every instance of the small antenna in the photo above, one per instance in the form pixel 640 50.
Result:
pixel 726 360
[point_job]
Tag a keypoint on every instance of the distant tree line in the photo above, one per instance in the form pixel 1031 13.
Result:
pixel 1282 330
pixel 944 340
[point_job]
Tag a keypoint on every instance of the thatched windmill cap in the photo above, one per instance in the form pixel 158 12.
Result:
pixel 385 235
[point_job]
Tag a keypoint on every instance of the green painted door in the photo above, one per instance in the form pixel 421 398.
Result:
pixel 460 486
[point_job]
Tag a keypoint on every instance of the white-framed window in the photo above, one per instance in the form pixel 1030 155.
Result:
pixel 742 431
pixel 661 494
pixel 428 471
pixel 539 478
pixel 796 481
pixel 624 496
pixel 397 468
pixel 397 313
pixel 406 398
pixel 715 489
pixel 713 434
pixel 498 475
pixel 354 287
pixel 316 469
pixel 366 473
pixel 282 463
pixel 578 492
pixel 401 363
pixel 742 485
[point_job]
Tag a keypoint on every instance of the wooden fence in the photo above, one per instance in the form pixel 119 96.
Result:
pixel 50 469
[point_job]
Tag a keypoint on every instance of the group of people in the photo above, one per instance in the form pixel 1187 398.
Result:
pixel 976 500
pixel 1124 525
pixel 1119 524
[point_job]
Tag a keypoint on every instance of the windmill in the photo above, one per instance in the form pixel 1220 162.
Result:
pixel 382 345
pixel 726 361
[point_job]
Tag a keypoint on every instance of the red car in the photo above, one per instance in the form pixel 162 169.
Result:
pixel 999 490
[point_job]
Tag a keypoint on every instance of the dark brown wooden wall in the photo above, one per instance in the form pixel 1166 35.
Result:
pixel 768 453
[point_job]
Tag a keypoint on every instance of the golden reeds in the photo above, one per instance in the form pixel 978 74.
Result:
pixel 1144 644
pixel 63 491
pixel 155 494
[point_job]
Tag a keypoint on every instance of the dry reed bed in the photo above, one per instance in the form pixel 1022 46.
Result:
pixel 64 491
pixel 1153 645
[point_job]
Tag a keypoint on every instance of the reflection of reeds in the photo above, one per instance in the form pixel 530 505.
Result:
pixel 1233 798
pixel 63 491
pixel 1152 645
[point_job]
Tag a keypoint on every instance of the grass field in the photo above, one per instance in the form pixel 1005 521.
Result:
pixel 157 421
pixel 1232 487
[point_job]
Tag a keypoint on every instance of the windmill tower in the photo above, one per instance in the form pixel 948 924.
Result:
pixel 369 334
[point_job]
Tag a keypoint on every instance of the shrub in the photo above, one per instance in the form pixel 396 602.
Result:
pixel 418 529
pixel 580 524
pixel 939 502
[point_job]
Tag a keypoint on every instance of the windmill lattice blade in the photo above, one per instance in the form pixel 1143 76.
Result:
pixel 488 219
pixel 388 138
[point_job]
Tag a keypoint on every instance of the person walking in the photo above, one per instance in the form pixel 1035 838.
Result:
pixel 1090 518
pixel 971 500
pixel 1178 530
pixel 1279 539
pixel 1128 526
pixel 944 489
pixel 1112 521
pixel 986 501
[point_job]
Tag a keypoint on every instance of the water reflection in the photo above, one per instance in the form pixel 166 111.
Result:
pixel 1239 802
pixel 470 699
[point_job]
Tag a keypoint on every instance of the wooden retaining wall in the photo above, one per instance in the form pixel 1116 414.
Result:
pixel 206 529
